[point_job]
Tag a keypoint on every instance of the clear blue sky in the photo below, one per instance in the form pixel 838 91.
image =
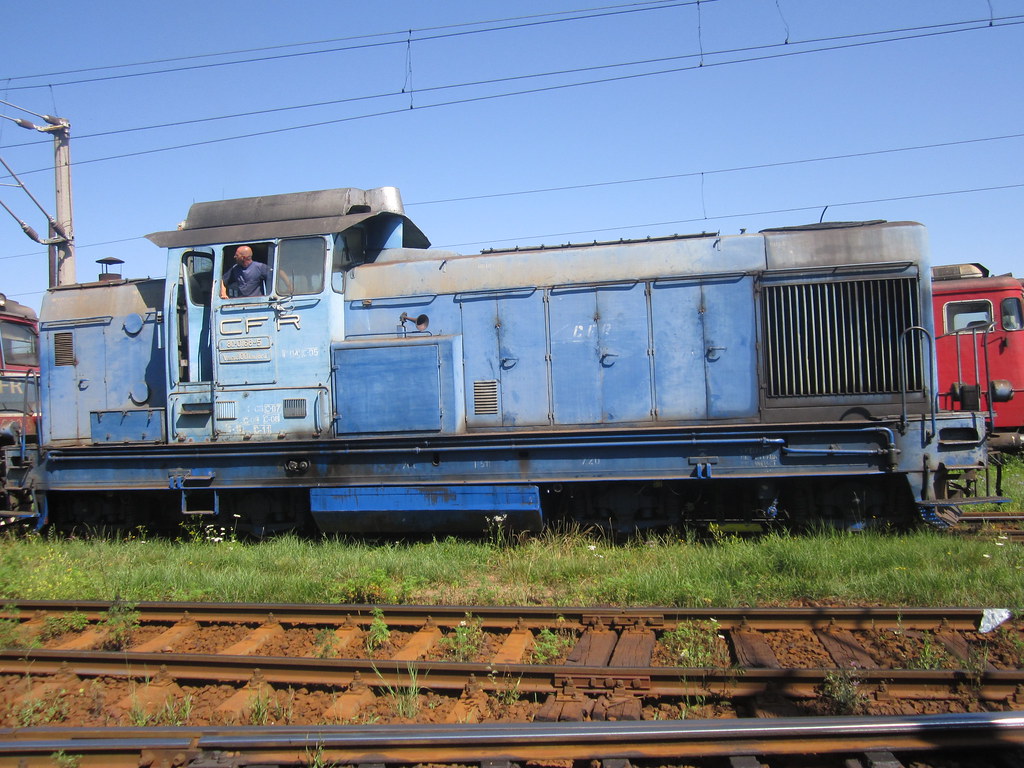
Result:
pixel 649 118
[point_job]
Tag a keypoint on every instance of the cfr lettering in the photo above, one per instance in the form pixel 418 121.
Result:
pixel 240 325
pixel 244 325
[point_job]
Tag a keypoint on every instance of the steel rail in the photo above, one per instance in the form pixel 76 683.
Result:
pixel 990 517
pixel 510 617
pixel 518 742
pixel 1003 686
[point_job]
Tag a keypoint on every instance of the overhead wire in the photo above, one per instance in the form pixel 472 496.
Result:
pixel 406 34
pixel 934 30
pixel 712 171
pixel 745 214
pixel 1008 21
pixel 626 227
pixel 282 46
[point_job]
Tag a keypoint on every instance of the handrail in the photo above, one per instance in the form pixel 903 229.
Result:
pixel 25 415
pixel 933 401
pixel 985 391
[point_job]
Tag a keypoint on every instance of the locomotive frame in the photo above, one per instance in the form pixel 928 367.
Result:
pixel 395 387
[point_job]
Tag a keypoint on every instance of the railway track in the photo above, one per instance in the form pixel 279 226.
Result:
pixel 1004 526
pixel 970 739
pixel 223 666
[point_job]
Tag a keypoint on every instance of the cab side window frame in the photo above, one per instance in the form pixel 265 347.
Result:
pixel 301 262
pixel 967 316
pixel 1011 314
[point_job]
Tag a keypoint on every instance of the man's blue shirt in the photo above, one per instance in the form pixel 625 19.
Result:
pixel 253 280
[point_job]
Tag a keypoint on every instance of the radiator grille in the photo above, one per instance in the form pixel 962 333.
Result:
pixel 485 397
pixel 63 348
pixel 294 408
pixel 841 338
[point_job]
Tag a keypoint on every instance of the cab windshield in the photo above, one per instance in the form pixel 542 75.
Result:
pixel 18 343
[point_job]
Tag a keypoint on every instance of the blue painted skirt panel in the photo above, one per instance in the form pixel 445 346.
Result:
pixel 420 509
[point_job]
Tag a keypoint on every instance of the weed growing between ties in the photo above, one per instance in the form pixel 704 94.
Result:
pixel 404 699
pixel 505 689
pixel 840 694
pixel 68 623
pixel 464 642
pixel 696 644
pixel 62 759
pixel 315 758
pixel 326 644
pixel 46 709
pixel 1008 641
pixel 929 654
pixel 11 633
pixel 171 712
pixel 120 622
pixel 550 646
pixel 378 633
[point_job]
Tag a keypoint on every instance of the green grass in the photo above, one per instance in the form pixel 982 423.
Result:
pixel 923 568
pixel 1013 483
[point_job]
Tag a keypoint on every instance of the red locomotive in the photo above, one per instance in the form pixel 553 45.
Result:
pixel 979 323
pixel 19 387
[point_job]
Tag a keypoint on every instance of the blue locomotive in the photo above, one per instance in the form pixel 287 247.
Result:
pixel 375 384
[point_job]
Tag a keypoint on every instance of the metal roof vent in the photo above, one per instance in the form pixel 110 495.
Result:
pixel 109 263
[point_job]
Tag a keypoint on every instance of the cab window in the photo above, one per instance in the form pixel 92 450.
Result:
pixel 1011 314
pixel 199 276
pixel 19 344
pixel 349 252
pixel 301 266
pixel 261 252
pixel 968 316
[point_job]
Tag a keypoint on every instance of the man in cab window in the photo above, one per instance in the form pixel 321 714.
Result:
pixel 246 277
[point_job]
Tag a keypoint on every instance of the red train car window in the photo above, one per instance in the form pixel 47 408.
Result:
pixel 968 315
pixel 1011 314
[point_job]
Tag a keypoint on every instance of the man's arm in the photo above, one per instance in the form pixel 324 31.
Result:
pixel 283 279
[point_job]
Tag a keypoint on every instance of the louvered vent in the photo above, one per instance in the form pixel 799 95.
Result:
pixel 841 338
pixel 295 408
pixel 485 398
pixel 64 348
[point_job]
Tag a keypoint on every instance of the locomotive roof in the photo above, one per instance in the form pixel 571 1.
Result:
pixel 289 215
pixel 16 309
pixel 404 272
pixel 977 285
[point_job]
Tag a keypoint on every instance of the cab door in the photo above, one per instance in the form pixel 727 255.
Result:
pixel 271 357
pixel 190 367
